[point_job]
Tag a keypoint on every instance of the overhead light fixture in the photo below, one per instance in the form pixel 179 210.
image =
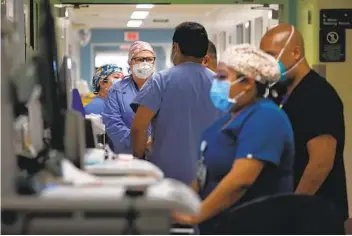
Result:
pixel 134 23
pixel 144 6
pixel 139 15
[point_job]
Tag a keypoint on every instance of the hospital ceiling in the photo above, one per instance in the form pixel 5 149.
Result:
pixel 159 16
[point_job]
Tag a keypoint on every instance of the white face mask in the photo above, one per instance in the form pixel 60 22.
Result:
pixel 143 70
pixel 114 81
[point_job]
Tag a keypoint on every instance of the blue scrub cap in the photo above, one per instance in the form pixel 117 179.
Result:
pixel 102 73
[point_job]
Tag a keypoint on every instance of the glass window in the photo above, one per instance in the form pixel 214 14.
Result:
pixel 258 30
pixel 247 32
pixel 239 34
pixel 222 41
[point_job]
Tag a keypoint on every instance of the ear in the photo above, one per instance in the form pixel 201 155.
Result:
pixel 206 60
pixel 102 84
pixel 297 53
pixel 250 83
pixel 176 47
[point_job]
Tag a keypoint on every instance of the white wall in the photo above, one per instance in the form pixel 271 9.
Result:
pixel 225 21
pixel 74 53
pixel 68 42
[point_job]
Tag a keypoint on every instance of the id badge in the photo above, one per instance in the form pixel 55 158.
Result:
pixel 201 167
pixel 201 174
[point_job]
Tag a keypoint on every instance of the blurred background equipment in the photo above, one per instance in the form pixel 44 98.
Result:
pixel 84 36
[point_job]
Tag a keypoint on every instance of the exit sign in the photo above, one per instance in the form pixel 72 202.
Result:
pixel 131 36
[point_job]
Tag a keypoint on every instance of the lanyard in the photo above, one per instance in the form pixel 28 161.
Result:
pixel 283 101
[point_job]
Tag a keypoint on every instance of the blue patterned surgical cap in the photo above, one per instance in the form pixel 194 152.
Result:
pixel 102 73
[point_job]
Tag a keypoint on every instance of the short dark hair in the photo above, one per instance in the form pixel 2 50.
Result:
pixel 192 39
pixel 212 49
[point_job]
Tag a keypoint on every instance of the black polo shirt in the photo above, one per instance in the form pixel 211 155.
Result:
pixel 315 109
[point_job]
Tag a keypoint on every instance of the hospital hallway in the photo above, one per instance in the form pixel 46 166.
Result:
pixel 59 172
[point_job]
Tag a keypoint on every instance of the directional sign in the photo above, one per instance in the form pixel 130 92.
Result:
pixel 341 18
pixel 332 46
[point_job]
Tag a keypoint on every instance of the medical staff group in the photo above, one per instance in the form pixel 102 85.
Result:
pixel 214 125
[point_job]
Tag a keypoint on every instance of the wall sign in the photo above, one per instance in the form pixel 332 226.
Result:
pixel 341 18
pixel 131 36
pixel 332 44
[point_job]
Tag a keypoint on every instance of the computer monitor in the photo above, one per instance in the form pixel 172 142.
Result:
pixel 54 97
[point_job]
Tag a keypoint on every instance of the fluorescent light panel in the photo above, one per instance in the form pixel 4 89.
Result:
pixel 144 6
pixel 134 23
pixel 139 15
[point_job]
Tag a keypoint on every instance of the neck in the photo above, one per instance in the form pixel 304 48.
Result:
pixel 302 71
pixel 102 94
pixel 237 109
pixel 139 82
pixel 190 59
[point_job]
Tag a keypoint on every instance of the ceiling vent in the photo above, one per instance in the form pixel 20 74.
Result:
pixel 160 20
pixel 262 7
pixel 79 6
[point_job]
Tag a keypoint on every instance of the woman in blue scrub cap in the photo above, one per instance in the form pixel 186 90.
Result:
pixel 105 76
pixel 248 153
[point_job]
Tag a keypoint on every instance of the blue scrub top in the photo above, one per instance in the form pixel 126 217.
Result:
pixel 179 97
pixel 118 115
pixel 261 131
pixel 96 106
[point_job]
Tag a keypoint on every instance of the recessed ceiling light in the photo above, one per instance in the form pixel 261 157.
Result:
pixel 144 6
pixel 134 23
pixel 139 15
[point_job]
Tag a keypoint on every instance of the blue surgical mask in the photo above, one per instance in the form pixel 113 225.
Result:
pixel 220 92
pixel 282 70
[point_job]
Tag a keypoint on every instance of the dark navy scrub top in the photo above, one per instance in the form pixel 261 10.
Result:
pixel 261 131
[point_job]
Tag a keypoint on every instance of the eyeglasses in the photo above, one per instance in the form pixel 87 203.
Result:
pixel 143 59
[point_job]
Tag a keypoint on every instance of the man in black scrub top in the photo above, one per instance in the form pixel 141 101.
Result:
pixel 316 113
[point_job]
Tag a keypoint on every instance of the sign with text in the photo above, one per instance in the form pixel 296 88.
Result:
pixel 131 36
pixel 332 45
pixel 341 18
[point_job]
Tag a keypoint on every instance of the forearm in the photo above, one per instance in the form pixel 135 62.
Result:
pixel 224 195
pixel 139 138
pixel 313 177
pixel 195 186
